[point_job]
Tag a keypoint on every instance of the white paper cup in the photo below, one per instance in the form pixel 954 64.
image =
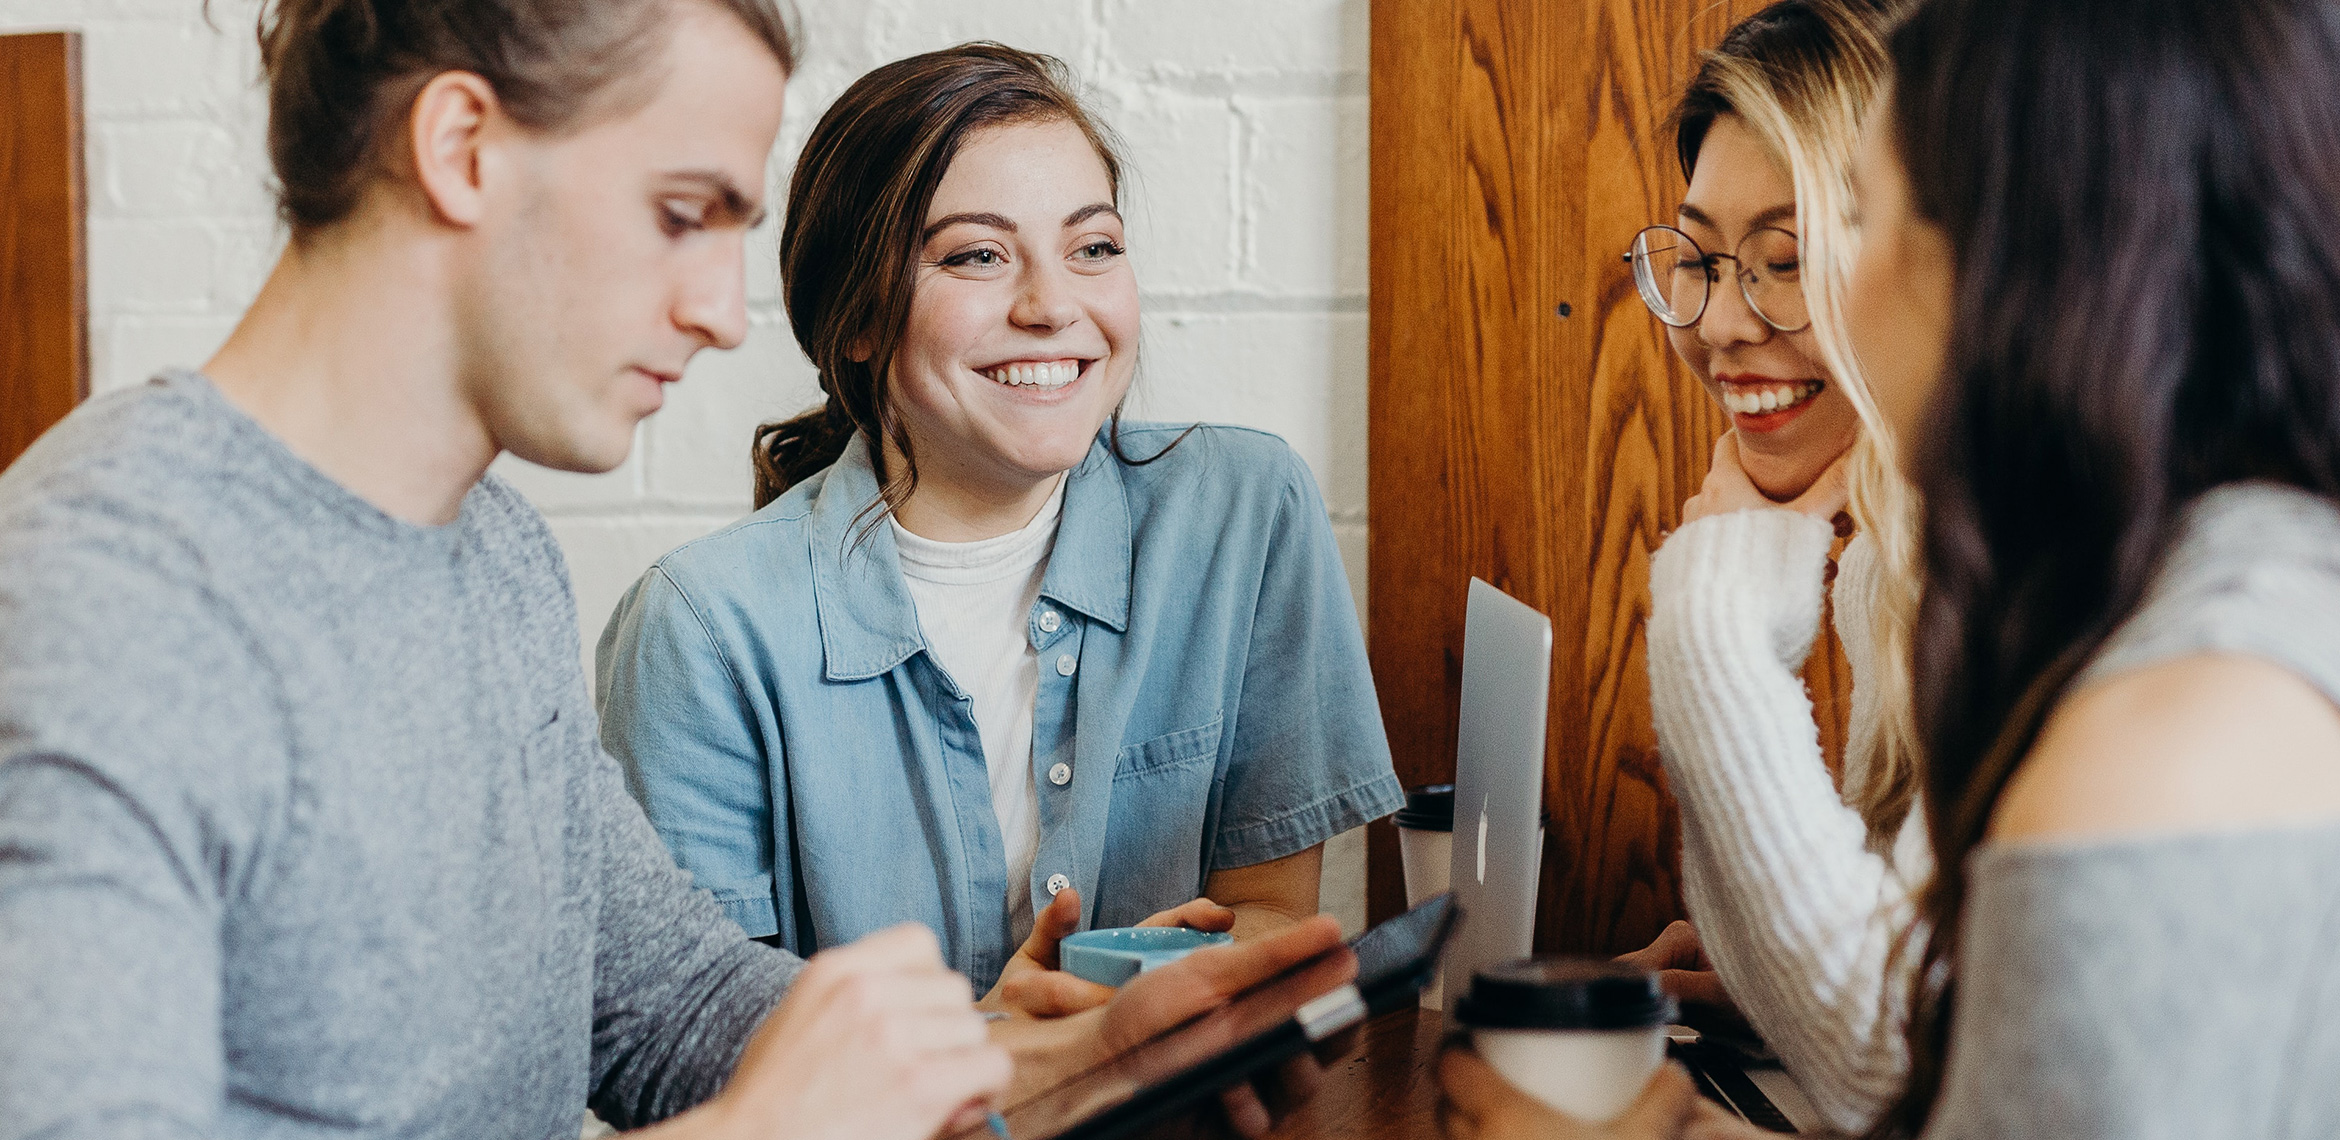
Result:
pixel 1425 828
pixel 1590 1074
pixel 1428 856
pixel 1581 1035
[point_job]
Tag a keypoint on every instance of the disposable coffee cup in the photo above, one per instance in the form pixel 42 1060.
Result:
pixel 1583 1036
pixel 1426 840
pixel 1426 851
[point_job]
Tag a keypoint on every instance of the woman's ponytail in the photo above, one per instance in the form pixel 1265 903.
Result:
pixel 787 452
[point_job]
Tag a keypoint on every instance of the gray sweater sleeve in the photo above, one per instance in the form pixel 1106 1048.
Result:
pixel 2164 988
pixel 678 987
pixel 115 865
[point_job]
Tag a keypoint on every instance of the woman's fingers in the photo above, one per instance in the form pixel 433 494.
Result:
pixel 1051 993
pixel 1726 487
pixel 1830 494
pixel 1470 1082
pixel 1198 914
pixel 1675 948
pixel 1229 970
pixel 1023 984
pixel 1726 452
pixel 1245 1113
pixel 1697 986
pixel 1477 1101
pixel 1061 917
pixel 1710 1122
pixel 1663 1107
pixel 1158 999
pixel 1729 466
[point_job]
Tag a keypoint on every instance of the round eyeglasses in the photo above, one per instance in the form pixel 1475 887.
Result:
pixel 1676 278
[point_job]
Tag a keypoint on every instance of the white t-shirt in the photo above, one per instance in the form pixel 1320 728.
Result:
pixel 974 604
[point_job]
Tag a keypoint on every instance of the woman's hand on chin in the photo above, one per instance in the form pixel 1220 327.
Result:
pixel 1034 983
pixel 1727 488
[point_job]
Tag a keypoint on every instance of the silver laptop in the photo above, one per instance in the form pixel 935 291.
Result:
pixel 1498 781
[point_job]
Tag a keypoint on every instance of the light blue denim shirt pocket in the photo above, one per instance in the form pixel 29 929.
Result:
pixel 1162 796
pixel 1162 756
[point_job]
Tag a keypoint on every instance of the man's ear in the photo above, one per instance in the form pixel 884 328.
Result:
pixel 446 130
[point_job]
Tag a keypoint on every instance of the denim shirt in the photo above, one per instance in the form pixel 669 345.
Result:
pixel 1203 682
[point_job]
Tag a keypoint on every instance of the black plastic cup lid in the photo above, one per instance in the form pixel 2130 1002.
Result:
pixel 1428 808
pixel 1564 993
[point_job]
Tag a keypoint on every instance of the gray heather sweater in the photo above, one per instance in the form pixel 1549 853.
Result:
pixel 2179 987
pixel 304 825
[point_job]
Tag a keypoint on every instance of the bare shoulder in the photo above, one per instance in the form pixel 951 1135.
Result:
pixel 2201 743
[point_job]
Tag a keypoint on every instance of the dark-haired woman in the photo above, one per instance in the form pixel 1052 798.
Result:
pixel 2099 293
pixel 988 652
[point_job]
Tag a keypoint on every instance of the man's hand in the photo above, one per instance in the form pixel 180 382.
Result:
pixel 1034 982
pixel 1476 1103
pixel 1727 488
pixel 875 1041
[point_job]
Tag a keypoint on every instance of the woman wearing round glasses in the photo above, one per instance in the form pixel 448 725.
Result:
pixel 1797 888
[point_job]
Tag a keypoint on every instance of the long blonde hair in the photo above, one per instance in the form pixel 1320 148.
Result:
pixel 1802 74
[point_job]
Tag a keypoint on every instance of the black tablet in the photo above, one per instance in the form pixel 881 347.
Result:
pixel 1263 1027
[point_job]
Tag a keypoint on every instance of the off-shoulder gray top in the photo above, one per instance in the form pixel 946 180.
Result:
pixel 2171 987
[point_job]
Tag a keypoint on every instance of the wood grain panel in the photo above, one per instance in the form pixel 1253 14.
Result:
pixel 1528 423
pixel 44 319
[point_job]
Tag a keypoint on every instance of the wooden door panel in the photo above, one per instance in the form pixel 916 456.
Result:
pixel 44 337
pixel 1529 424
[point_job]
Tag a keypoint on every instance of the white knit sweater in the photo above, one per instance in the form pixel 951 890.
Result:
pixel 1797 913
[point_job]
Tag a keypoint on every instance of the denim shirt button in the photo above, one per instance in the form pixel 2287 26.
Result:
pixel 1060 775
pixel 1065 665
pixel 1050 622
pixel 1057 884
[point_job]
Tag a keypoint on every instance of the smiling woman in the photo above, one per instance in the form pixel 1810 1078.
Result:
pixel 1796 886
pixel 986 651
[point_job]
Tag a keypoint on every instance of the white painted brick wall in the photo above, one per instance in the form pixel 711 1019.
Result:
pixel 1246 130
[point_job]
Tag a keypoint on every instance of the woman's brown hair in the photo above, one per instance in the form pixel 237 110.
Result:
pixel 855 224
pixel 341 74
pixel 2138 198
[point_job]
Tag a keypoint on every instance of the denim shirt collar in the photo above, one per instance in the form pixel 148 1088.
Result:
pixel 868 622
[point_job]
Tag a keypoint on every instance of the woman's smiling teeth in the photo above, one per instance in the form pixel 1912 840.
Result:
pixel 1043 375
pixel 1757 399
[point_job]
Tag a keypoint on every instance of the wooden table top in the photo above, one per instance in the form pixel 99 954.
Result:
pixel 1384 1089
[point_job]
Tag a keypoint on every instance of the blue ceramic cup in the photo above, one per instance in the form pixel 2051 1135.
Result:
pixel 1113 956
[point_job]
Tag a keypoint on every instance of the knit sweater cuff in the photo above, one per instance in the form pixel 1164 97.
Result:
pixel 1752 574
